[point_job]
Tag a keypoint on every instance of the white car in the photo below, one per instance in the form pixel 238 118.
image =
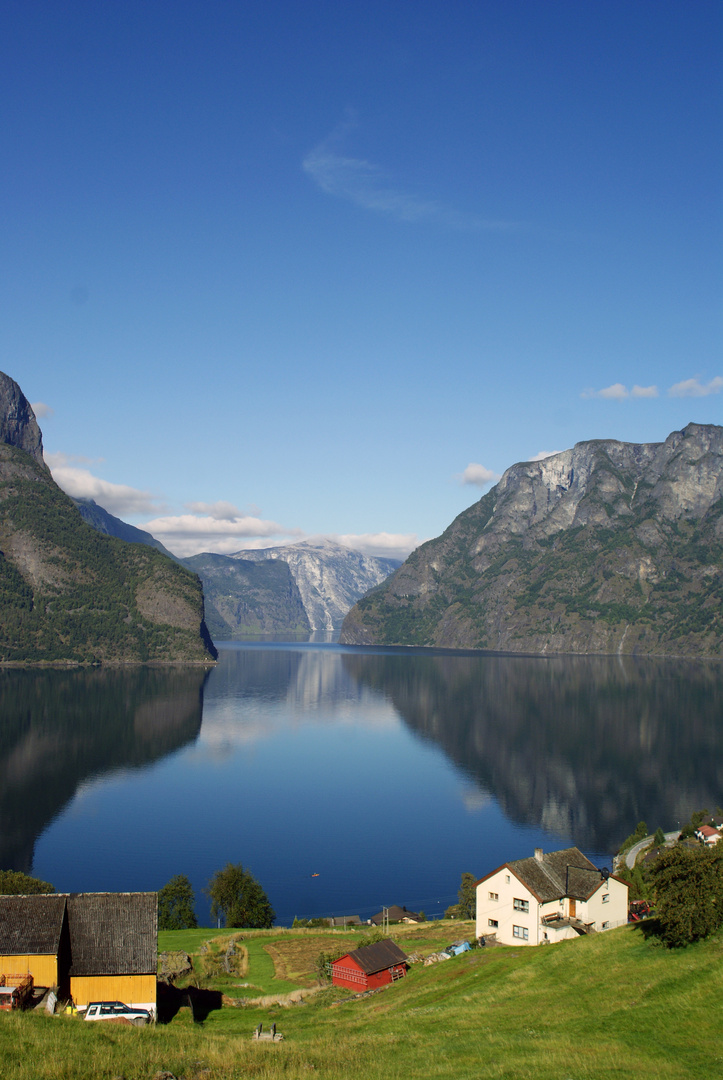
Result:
pixel 116 1010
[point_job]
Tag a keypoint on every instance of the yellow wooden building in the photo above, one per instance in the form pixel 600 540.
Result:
pixel 113 948
pixel 91 946
pixel 34 938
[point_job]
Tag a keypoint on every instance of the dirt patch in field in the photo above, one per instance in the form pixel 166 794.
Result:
pixel 295 960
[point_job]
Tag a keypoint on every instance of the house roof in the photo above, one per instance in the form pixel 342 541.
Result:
pixel 113 933
pixel 31 925
pixel 708 830
pixel 556 874
pixel 395 913
pixel 377 957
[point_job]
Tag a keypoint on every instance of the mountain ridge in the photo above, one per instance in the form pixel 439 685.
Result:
pixel 606 547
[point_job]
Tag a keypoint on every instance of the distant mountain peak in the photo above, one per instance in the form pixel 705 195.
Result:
pixel 18 426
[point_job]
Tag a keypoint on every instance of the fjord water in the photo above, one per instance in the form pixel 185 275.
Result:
pixel 386 772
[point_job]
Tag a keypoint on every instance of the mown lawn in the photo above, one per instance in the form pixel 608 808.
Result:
pixel 611 1005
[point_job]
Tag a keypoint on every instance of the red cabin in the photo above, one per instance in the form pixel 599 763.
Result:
pixel 370 967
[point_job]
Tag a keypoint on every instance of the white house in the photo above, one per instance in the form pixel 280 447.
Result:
pixel 707 834
pixel 549 898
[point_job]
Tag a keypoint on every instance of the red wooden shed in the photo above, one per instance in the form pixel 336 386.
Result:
pixel 369 967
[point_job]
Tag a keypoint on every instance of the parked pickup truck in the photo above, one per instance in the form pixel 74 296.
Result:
pixel 15 991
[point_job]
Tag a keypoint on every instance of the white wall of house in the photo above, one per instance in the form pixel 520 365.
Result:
pixel 507 908
pixel 608 905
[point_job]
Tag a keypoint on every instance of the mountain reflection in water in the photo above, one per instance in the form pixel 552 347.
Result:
pixel 58 729
pixel 584 747
pixel 387 772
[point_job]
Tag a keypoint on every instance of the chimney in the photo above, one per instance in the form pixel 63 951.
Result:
pixel 538 854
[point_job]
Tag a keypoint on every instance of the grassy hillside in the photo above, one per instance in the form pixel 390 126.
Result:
pixel 611 1005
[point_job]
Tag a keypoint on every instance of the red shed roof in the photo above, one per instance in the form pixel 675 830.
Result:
pixel 377 957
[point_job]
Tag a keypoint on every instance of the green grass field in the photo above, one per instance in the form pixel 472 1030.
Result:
pixel 610 1005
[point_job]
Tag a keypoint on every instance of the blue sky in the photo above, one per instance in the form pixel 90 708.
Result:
pixel 283 269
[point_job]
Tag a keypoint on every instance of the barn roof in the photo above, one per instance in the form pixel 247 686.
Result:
pixel 377 957
pixel 113 933
pixel 31 924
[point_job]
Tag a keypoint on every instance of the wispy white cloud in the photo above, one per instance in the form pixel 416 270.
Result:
pixel 479 475
pixel 219 511
pixel 695 388
pixel 41 410
pixel 619 392
pixel 80 483
pixel 383 544
pixel 367 185
pixel 189 534
pixel 644 391
pixel 544 454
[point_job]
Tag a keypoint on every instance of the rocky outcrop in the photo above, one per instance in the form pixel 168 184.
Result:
pixel 69 593
pixel 329 576
pixel 18 426
pixel 608 547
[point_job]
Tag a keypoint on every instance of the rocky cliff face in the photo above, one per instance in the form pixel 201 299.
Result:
pixel 244 597
pixel 69 593
pixel 608 547
pixel 18 426
pixel 329 576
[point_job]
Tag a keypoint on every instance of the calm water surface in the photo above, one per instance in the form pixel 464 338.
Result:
pixel 386 772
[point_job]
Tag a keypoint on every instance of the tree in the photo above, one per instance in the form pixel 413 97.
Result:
pixel 688 885
pixel 15 883
pixel 237 897
pixel 467 897
pixel 659 837
pixel 175 905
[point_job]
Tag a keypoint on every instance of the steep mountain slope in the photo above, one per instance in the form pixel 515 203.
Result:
pixel 608 547
pixel 69 593
pixel 244 597
pixel 329 576
pixel 107 523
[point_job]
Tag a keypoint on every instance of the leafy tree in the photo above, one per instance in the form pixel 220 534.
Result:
pixel 659 837
pixel 237 897
pixel 15 883
pixel 688 886
pixel 467 896
pixel 175 905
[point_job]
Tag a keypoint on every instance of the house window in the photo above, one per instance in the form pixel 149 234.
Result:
pixel 493 896
pixel 507 879
pixel 493 923
pixel 606 897
pixel 520 932
pixel 606 925
pixel 521 905
pixel 562 903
